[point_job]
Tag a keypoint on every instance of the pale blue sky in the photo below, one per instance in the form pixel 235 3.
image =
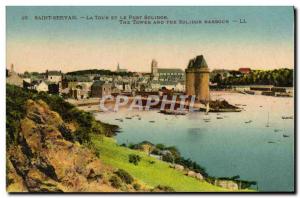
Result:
pixel 266 41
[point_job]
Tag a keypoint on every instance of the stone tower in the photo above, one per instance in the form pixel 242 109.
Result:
pixel 197 79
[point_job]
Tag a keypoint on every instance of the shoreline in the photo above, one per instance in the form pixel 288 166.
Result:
pixel 235 99
pixel 219 180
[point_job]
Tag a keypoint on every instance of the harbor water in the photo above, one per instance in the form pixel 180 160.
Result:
pixel 256 144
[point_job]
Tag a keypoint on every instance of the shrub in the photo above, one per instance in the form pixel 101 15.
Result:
pixel 188 163
pixel 168 157
pixel 155 151
pixel 131 146
pixel 135 159
pixel 124 176
pixel 160 146
pixel 137 186
pixel 174 150
pixel 151 162
pixel 162 188
pixel 66 132
pixel 115 181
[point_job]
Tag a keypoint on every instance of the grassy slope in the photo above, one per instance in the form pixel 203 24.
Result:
pixel 151 174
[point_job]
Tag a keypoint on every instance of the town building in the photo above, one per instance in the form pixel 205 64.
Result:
pixel 53 76
pixel 197 79
pixel 169 78
pixel 71 81
pixel 120 70
pixel 13 78
pixel 76 86
pixel 38 85
pixel 166 74
pixel 42 86
pixel 100 89
pixel 178 86
pixel 78 93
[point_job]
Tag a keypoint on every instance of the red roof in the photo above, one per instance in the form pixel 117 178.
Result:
pixel 245 70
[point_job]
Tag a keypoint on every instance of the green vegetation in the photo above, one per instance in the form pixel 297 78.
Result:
pixel 134 159
pixel 277 77
pixel 124 176
pixel 152 174
pixel 161 188
pixel 87 125
pixel 137 186
pixel 115 181
pixel 170 154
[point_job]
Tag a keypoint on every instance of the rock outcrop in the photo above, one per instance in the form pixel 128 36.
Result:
pixel 45 160
pixel 227 184
pixel 194 174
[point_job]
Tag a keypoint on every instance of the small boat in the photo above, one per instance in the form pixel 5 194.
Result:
pixel 285 135
pixel 276 130
pixel 128 117
pixel 249 121
pixel 139 118
pixel 271 142
pixel 287 117
pixel 152 121
pixel 219 118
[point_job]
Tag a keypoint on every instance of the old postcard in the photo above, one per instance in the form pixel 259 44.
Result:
pixel 150 99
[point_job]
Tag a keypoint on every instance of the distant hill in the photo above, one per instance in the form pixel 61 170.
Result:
pixel 99 72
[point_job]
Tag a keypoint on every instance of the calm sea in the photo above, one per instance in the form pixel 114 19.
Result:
pixel 234 144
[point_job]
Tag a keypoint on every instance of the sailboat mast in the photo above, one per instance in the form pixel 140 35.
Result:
pixel 268 123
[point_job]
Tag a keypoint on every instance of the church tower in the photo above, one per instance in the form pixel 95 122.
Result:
pixel 154 69
pixel 197 79
pixel 118 67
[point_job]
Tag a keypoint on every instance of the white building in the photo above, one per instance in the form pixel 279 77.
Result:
pixel 42 86
pixel 54 76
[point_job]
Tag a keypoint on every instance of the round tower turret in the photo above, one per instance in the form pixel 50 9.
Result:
pixel 197 79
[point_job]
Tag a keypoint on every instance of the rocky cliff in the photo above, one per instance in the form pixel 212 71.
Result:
pixel 46 160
